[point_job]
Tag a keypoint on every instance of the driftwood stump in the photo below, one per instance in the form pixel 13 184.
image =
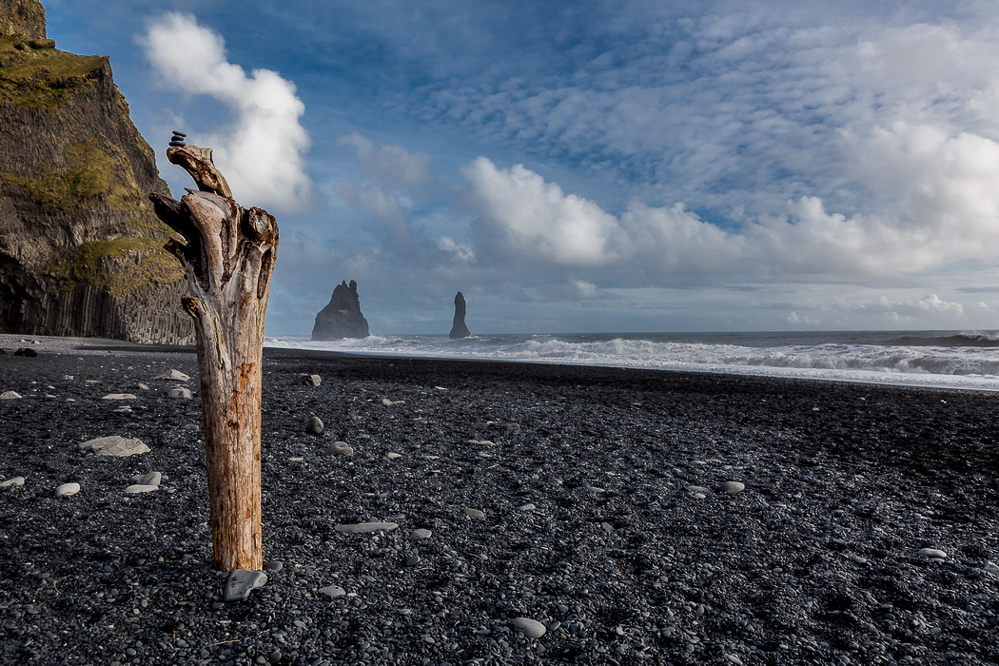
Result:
pixel 228 255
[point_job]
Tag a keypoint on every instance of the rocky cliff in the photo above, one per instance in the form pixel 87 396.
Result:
pixel 458 328
pixel 342 317
pixel 80 248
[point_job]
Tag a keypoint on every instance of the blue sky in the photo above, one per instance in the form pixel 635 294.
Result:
pixel 589 166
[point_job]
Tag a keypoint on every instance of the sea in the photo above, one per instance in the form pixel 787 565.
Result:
pixel 947 359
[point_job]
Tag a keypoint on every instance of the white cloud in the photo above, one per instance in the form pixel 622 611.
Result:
pixel 535 219
pixel 262 151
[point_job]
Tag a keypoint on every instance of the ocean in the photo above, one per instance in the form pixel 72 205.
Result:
pixel 950 359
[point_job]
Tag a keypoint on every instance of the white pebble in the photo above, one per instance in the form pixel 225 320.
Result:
pixel 531 628
pixel 67 489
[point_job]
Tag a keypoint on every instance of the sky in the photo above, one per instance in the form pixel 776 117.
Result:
pixel 588 165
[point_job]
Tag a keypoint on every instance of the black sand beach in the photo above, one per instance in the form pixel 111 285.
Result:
pixel 632 552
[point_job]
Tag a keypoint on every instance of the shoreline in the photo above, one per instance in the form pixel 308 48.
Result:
pixel 594 501
pixel 66 345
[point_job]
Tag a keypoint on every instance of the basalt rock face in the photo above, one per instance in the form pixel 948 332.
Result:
pixel 458 329
pixel 342 317
pixel 80 247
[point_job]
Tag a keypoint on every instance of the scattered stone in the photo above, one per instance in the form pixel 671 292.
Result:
pixel 150 479
pixel 27 352
pixel 314 426
pixel 933 553
pixel 175 376
pixel 114 446
pixel 333 591
pixel 393 456
pixel 698 490
pixel 413 561
pixel 361 528
pixel 181 392
pixel 274 565
pixel 526 507
pixel 12 482
pixel 241 582
pixel 119 396
pixel 67 489
pixel 340 449
pixel 137 488
pixel 387 402
pixel 474 513
pixel 309 380
pixel 530 628
pixel 142 387
pixel 10 395
pixel 421 534
pixel 988 568
pixel 733 487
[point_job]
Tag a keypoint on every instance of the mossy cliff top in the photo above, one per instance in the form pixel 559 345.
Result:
pixel 34 76
pixel 22 17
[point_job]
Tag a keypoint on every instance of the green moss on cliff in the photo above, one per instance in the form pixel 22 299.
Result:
pixel 43 78
pixel 125 266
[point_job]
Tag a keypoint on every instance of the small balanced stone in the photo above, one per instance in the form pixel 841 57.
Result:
pixel 530 628
pixel 733 487
pixel 179 133
pixel 67 489
pixel 314 426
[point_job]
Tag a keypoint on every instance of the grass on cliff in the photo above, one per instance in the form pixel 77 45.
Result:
pixel 42 78
pixel 125 266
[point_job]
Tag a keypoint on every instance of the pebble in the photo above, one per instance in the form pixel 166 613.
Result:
pixel 10 395
pixel 387 402
pixel 733 487
pixel 175 376
pixel 309 380
pixel 67 489
pixel 137 488
pixel 421 534
pixel 26 351
pixel 274 565
pixel 698 490
pixel 150 479
pixel 13 481
pixel 119 396
pixel 474 513
pixel 340 449
pixel 333 591
pixel 413 561
pixel 115 446
pixel 988 568
pixel 393 456
pixel 361 528
pixel 314 426
pixel 181 392
pixel 526 507
pixel 530 628
pixel 241 582
pixel 933 553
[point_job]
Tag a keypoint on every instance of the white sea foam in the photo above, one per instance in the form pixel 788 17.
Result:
pixel 946 359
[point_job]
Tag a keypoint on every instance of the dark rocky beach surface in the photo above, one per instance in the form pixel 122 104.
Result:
pixel 590 504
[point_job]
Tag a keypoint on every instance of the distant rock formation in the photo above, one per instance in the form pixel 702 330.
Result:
pixel 458 329
pixel 342 317
pixel 80 249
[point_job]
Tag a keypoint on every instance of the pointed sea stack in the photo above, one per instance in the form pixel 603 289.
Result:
pixel 342 317
pixel 458 329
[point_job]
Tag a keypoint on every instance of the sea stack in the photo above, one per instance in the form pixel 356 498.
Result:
pixel 342 317
pixel 458 329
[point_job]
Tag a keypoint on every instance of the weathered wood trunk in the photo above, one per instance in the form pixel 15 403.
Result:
pixel 229 258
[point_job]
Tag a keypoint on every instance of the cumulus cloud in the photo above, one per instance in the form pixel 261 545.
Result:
pixel 262 150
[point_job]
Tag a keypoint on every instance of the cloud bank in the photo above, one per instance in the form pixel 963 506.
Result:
pixel 262 150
